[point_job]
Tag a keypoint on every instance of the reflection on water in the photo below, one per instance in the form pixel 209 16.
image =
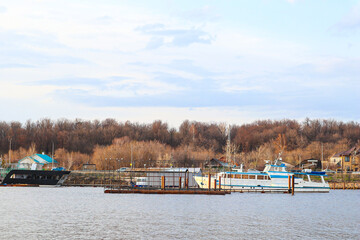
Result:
pixel 88 213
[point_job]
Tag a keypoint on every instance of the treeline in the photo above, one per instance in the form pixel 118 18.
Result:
pixel 249 142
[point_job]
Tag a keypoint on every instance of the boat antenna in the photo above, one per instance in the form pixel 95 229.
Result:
pixel 278 159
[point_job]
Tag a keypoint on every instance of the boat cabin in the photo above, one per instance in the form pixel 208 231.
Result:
pixel 275 168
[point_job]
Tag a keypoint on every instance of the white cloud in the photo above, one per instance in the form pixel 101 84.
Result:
pixel 292 1
pixel 17 92
pixel 2 9
pixel 351 21
pixel 162 35
pixel 197 54
pixel 203 14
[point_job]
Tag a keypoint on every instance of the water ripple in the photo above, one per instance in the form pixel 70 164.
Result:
pixel 88 213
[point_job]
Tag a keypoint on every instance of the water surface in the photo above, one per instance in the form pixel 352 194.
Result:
pixel 88 213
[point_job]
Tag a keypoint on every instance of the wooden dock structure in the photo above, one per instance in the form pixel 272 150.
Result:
pixel 344 185
pixel 166 191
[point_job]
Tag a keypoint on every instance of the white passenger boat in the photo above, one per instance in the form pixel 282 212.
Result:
pixel 274 178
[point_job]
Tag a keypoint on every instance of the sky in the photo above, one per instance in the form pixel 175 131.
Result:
pixel 228 61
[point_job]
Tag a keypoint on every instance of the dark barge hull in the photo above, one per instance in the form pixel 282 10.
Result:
pixel 35 177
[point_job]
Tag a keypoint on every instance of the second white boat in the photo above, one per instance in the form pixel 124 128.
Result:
pixel 274 178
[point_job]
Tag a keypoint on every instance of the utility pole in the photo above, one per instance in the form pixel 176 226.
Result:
pixel 131 154
pixel 52 156
pixel 228 150
pixel 193 133
pixel 322 155
pixel 10 152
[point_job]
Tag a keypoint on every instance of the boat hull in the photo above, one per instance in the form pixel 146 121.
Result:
pixel 35 177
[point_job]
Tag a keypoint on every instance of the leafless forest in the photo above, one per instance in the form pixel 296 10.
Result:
pixel 77 142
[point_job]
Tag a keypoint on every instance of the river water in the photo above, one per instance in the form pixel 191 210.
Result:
pixel 88 213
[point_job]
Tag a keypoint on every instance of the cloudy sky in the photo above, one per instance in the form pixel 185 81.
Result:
pixel 205 60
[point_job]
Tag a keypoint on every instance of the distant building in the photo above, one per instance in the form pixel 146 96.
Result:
pixel 36 162
pixel 350 159
pixel 288 165
pixel 217 163
pixel 309 164
pixel 335 160
pixel 172 175
pixel 88 167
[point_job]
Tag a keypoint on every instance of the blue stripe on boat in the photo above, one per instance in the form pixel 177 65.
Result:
pixel 247 173
pixel 278 176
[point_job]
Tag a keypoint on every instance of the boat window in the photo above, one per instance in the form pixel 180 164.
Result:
pixel 245 176
pixel 251 176
pixel 300 176
pixel 315 178
pixel 260 177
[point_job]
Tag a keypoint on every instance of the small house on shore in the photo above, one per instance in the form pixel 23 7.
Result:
pixel 350 159
pixel 37 162
pixel 216 163
pixel 334 161
pixel 309 164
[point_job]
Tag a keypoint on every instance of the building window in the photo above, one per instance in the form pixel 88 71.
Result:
pixel 347 159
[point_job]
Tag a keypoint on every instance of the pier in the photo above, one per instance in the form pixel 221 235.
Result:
pixel 172 181
pixel 167 191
